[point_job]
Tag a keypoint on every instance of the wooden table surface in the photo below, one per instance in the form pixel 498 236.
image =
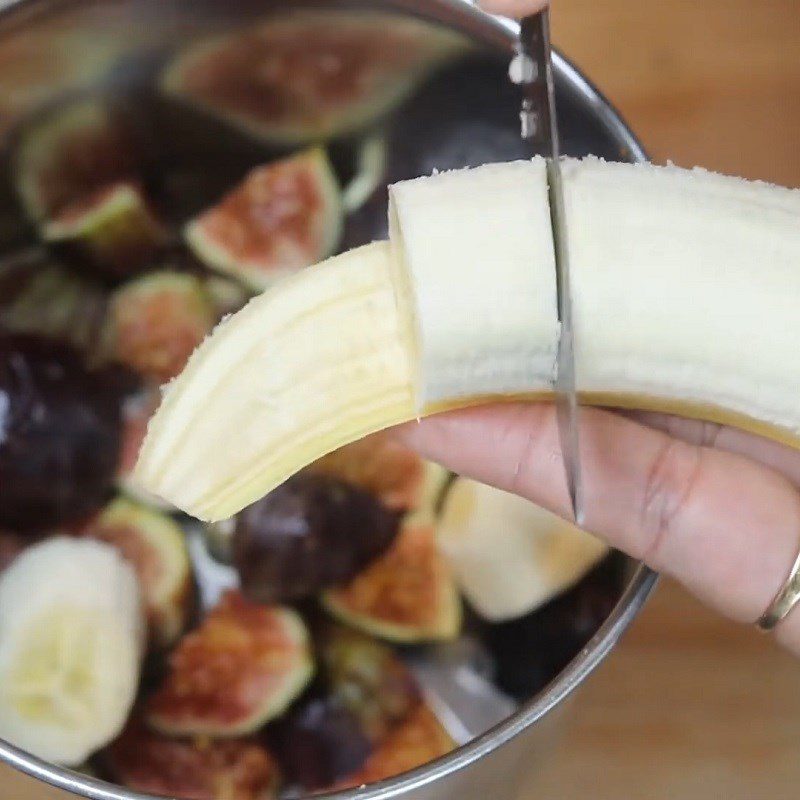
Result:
pixel 689 706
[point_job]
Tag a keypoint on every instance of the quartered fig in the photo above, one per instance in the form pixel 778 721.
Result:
pixel 60 434
pixel 284 216
pixel 52 301
pixel 241 668
pixel 154 544
pixel 155 322
pixel 310 533
pixel 310 75
pixel 320 743
pixel 191 769
pixel 368 679
pixel 112 230
pixel 379 465
pixel 420 738
pixel 406 595
pixel 70 152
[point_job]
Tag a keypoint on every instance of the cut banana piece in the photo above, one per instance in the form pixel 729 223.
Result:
pixel 510 556
pixel 72 634
pixel 685 285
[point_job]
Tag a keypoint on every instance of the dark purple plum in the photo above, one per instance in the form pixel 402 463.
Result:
pixel 310 533
pixel 59 434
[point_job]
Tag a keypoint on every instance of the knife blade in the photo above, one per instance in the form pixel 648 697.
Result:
pixel 533 70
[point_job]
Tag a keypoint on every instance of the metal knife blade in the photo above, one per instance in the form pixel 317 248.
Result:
pixel 534 72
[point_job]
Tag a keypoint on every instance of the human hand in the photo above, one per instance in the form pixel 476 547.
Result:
pixel 513 8
pixel 714 507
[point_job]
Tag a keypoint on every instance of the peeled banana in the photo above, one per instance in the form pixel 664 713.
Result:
pixel 685 286
pixel 72 634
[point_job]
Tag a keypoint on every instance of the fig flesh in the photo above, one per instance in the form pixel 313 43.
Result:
pixel 199 769
pixel 241 668
pixel 407 595
pixel 308 76
pixel 310 533
pixel 155 322
pixel 154 545
pixel 284 216
pixel 59 434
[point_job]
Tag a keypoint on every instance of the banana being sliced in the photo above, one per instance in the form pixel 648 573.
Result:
pixel 72 634
pixel 685 285
pixel 509 555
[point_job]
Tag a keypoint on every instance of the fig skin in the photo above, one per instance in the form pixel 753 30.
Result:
pixel 310 533
pixel 61 432
pixel 319 743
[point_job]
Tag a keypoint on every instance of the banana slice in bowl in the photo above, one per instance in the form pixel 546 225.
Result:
pixel 72 635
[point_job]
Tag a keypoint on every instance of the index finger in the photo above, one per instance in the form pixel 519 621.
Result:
pixel 725 526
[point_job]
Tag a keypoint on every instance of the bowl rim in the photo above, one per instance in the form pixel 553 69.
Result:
pixel 461 14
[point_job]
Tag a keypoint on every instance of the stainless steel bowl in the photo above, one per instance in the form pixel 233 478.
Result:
pixel 498 763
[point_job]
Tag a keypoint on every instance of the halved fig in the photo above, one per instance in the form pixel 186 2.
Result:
pixel 368 679
pixel 155 322
pixel 310 533
pixel 154 544
pixel 420 738
pixel 241 668
pixel 310 75
pixel 69 152
pixel 284 216
pixel 112 229
pixel 60 440
pixel 191 769
pixel 407 595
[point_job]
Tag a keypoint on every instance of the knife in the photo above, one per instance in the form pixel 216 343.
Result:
pixel 533 70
